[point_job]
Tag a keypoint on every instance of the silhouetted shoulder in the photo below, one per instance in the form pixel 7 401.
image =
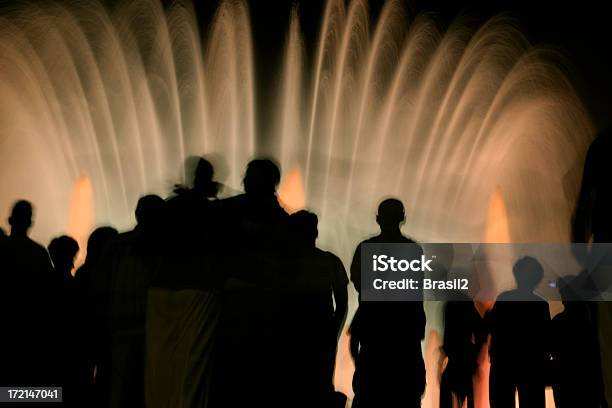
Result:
pixel 337 265
pixel 516 295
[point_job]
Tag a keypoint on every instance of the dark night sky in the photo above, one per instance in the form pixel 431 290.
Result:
pixel 581 31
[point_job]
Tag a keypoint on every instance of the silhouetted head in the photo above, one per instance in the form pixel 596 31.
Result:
pixel 98 240
pixel 21 218
pixel 62 251
pixel 262 177
pixel 528 273
pixel 390 214
pixel 150 211
pixel 203 179
pixel 304 227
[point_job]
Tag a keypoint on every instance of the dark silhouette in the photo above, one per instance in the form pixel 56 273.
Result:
pixel 190 233
pixel 63 251
pixel 27 301
pixel 125 276
pixel 184 299
pixel 593 221
pixel 251 341
pixel 91 346
pixel 318 292
pixel 519 324
pixel 463 338
pixel 575 352
pixel 386 336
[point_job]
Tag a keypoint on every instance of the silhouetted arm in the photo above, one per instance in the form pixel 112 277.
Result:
pixel 340 291
pixel 356 269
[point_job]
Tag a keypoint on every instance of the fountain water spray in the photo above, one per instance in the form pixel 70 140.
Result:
pixel 106 104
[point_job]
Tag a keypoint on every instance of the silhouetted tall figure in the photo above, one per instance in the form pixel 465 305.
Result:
pixel 575 352
pixel 184 298
pixel 318 293
pixel 126 274
pixel 253 232
pixel 593 221
pixel 519 324
pixel 91 347
pixel 463 338
pixel 386 336
pixel 28 317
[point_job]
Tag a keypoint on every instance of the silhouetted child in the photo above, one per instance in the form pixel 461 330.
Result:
pixel 63 251
pixel 386 336
pixel 463 338
pixel 318 291
pixel 519 324
pixel 577 382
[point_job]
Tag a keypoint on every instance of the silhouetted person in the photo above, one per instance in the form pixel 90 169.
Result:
pixel 519 324
pixel 91 347
pixel 575 352
pixel 318 284
pixel 386 336
pixel 184 299
pixel 253 232
pixel 126 274
pixel 190 233
pixel 63 251
pixel 26 305
pixel 463 337
pixel 390 218
pixel 593 222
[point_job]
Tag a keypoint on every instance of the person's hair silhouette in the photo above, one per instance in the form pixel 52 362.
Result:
pixel 149 211
pixel 97 242
pixel 62 251
pixel 262 177
pixel 304 227
pixel 20 219
pixel 528 274
pixel 390 215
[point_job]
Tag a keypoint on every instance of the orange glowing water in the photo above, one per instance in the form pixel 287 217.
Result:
pixel 291 192
pixel 81 218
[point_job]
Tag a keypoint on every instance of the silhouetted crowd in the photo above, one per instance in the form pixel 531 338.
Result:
pixel 229 303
